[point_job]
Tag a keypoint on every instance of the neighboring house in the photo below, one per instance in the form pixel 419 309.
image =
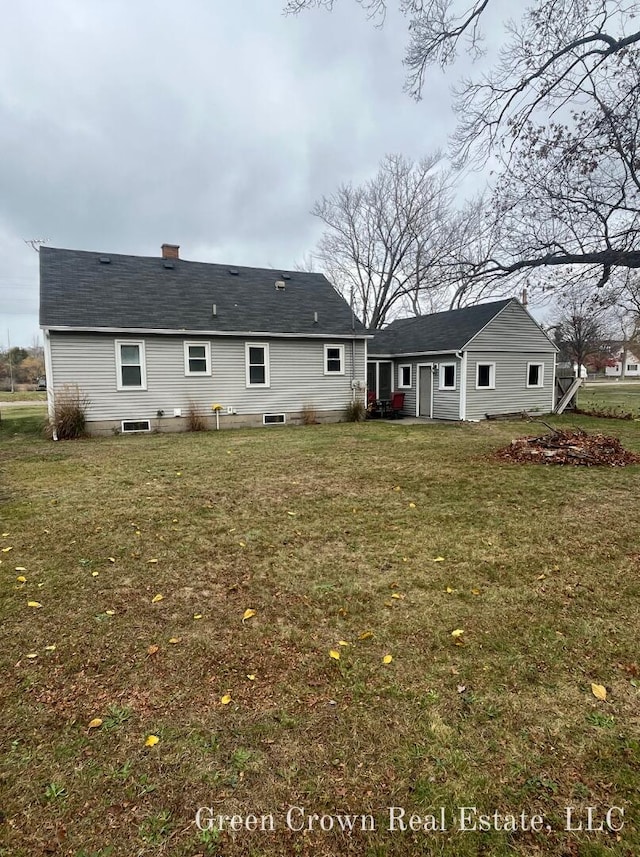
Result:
pixel 466 364
pixel 148 339
pixel 632 364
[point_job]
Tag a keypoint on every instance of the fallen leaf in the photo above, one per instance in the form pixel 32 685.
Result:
pixel 110 612
pixel 397 488
pixel 32 655
pixel 292 514
pixel 599 691
pixel 174 640
pixel 112 559
pixel 5 535
pixel 343 643
pixel 439 559
pixel 94 573
pixel 387 659
pixel 50 648
pixel 333 654
pixel 541 576
pixel 450 590
pixel 179 473
pixel 248 614
pixel 226 699
pixel 6 550
pixel 152 649
pixel 157 598
pixel 138 533
pixel 152 560
pixel 242 544
pixel 97 721
pixel 35 604
pixel 461 688
pixel 251 677
pixel 475 592
pixel 21 579
pixel 365 635
pixel 457 633
pixel 20 568
pixel 412 505
pixel 151 741
pixel 197 615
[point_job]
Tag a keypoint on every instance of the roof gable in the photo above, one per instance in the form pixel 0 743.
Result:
pixel 437 332
pixel 86 290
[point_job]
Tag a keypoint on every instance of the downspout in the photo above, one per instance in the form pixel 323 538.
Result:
pixel 353 349
pixel 462 356
pixel 48 371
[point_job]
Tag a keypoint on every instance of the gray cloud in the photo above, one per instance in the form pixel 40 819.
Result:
pixel 214 125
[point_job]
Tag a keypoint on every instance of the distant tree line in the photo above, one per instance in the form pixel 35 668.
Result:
pixel 21 366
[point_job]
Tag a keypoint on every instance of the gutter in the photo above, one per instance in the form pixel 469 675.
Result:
pixel 244 334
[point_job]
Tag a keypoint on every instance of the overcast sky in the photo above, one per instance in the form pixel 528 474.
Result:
pixel 212 124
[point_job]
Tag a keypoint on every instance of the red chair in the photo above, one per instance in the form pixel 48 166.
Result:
pixel 396 406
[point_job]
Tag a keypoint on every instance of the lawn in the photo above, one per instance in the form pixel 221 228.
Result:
pixel 23 396
pixel 374 542
pixel 619 397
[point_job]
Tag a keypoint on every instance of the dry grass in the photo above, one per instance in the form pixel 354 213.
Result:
pixel 195 418
pixel 539 568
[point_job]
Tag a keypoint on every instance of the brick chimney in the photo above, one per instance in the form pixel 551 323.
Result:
pixel 170 251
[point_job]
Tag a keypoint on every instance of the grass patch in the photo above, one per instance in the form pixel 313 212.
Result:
pixel 385 537
pixel 615 398
pixel 23 396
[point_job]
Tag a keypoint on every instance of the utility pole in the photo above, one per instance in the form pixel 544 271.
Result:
pixel 10 359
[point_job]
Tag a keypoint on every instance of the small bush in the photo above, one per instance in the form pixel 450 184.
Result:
pixel 355 412
pixel 195 420
pixel 70 405
pixel 309 415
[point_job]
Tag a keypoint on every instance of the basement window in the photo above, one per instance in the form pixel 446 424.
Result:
pixel 133 426
pixel 273 419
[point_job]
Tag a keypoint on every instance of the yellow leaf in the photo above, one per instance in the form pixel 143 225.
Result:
pixel 475 592
pixel 35 604
pixel 6 550
pixel 335 655
pixel 94 574
pixel 225 700
pixel 457 633
pixel 151 741
pixel 197 615
pixel 138 533
pixel 21 579
pixel 541 576
pixel 174 640
pixel 20 568
pixel 5 535
pixel 439 559
pixel 343 643
pixel 248 614
pixel 404 559
pixel 397 488
pixel 112 559
pixel 32 655
pixel 291 513
pixel 178 473
pixel 97 721
pixel 450 590
pixel 387 659
pixel 251 677
pixel 365 635
pixel 50 648
pixel 396 595
pixel 152 560
pixel 412 505
pixel 152 649
pixel 599 691
pixel 242 544
pixel 157 598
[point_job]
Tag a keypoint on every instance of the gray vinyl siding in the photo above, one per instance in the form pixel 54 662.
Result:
pixel 296 375
pixel 511 393
pixel 446 403
pixel 511 330
pixel 409 392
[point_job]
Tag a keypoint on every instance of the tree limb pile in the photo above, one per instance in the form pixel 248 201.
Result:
pixel 569 446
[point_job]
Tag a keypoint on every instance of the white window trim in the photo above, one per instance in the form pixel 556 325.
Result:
pixel 207 357
pixel 143 364
pixel 441 384
pixel 267 373
pixel 540 383
pixel 326 359
pixel 402 386
pixel 492 375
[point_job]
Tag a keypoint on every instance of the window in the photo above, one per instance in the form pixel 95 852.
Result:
pixel 486 375
pixel 334 360
pixel 131 426
pixel 447 376
pixel 197 358
pixel 273 419
pixel 535 374
pixel 404 376
pixel 632 367
pixel 257 364
pixel 130 365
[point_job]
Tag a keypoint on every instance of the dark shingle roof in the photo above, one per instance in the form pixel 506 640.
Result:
pixel 441 331
pixel 77 290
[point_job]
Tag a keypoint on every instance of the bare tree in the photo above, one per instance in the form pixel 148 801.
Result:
pixel 384 239
pixel 582 325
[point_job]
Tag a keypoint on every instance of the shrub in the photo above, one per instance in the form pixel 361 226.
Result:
pixel 195 420
pixel 355 411
pixel 309 415
pixel 70 405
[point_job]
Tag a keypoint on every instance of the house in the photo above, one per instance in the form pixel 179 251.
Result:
pixel 149 339
pixel 631 363
pixel 465 364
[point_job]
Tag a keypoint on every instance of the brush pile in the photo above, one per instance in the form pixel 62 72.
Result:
pixel 569 446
